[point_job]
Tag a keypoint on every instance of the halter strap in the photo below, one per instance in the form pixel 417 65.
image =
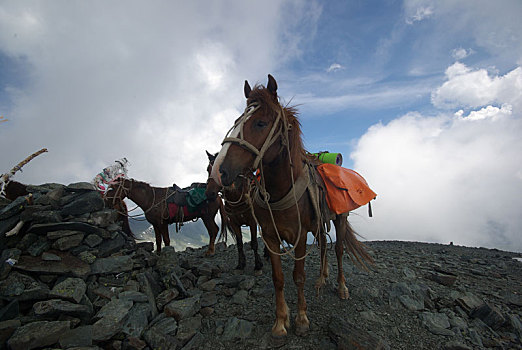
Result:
pixel 269 141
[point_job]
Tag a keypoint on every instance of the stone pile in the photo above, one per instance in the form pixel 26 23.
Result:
pixel 71 279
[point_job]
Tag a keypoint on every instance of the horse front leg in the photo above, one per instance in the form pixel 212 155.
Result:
pixel 157 233
pixel 282 322
pixel 241 259
pixel 253 242
pixel 213 230
pixel 341 231
pixel 302 324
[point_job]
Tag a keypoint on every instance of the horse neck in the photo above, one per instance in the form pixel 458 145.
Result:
pixel 139 195
pixel 278 178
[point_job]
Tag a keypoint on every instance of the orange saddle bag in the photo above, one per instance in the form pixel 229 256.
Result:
pixel 346 190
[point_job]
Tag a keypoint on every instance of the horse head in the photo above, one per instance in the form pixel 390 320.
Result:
pixel 258 136
pixel 212 187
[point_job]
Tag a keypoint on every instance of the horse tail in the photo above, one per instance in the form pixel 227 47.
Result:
pixel 224 221
pixel 356 249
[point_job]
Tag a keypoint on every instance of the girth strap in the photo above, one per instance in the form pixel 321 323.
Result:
pixel 288 201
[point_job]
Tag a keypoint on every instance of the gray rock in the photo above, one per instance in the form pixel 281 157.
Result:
pixel 93 240
pixel 490 315
pixel 66 243
pixel 55 307
pixel 5 268
pixel 22 288
pixel 103 218
pixel 39 246
pixel 80 186
pixel 47 256
pixel 455 345
pixel 10 311
pixel 61 233
pixel 161 335
pixel 195 343
pixel 111 317
pixel 72 289
pixel 37 334
pixel 44 217
pixel 237 329
pixel 446 279
pixel 166 297
pixel 12 209
pixel 86 203
pixel 436 323
pixel 187 328
pixel 87 257
pixel 69 264
pixel 180 309
pixel 208 299
pixel 7 328
pixel 115 264
pixel 77 337
pixel 469 302
pixel 409 273
pixel 240 297
pixel 136 297
pixel 67 226
pixel 348 337
pixel 168 261
pixel 150 288
pixel 138 320
pixel 208 285
pixel 110 246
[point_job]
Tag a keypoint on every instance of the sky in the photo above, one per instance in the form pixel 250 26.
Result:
pixel 423 98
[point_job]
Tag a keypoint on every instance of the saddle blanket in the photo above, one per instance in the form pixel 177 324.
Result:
pixel 346 190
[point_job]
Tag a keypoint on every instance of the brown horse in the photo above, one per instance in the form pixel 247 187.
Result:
pixel 153 202
pixel 15 189
pixel 238 213
pixel 289 198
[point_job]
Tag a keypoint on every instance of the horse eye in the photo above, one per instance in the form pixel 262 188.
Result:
pixel 261 124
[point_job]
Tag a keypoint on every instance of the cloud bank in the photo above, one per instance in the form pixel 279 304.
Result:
pixel 156 84
pixel 452 177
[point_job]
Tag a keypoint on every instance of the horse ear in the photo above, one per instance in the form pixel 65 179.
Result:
pixel 272 85
pixel 247 89
pixel 208 154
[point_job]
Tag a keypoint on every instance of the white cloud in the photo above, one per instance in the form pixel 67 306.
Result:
pixel 156 84
pixel 334 67
pixel 451 177
pixel 475 88
pixel 461 53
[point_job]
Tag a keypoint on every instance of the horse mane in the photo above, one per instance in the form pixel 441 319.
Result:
pixel 270 106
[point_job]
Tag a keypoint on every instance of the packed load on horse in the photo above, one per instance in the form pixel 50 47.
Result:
pixel 289 197
pixel 108 175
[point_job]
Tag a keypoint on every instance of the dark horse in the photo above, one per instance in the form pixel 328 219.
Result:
pixel 153 202
pixel 238 214
pixel 289 199
pixel 15 189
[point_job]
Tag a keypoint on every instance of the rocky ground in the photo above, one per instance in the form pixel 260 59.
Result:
pixel 70 279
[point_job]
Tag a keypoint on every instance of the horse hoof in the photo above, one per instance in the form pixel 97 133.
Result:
pixel 209 253
pixel 301 330
pixel 343 293
pixel 277 341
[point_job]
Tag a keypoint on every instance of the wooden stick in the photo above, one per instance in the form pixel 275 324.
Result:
pixel 5 177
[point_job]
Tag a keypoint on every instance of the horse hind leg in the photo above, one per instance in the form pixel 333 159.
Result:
pixel 165 234
pixel 253 243
pixel 323 273
pixel 340 224
pixel 241 259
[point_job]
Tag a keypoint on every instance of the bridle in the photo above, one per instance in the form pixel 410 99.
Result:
pixel 272 137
